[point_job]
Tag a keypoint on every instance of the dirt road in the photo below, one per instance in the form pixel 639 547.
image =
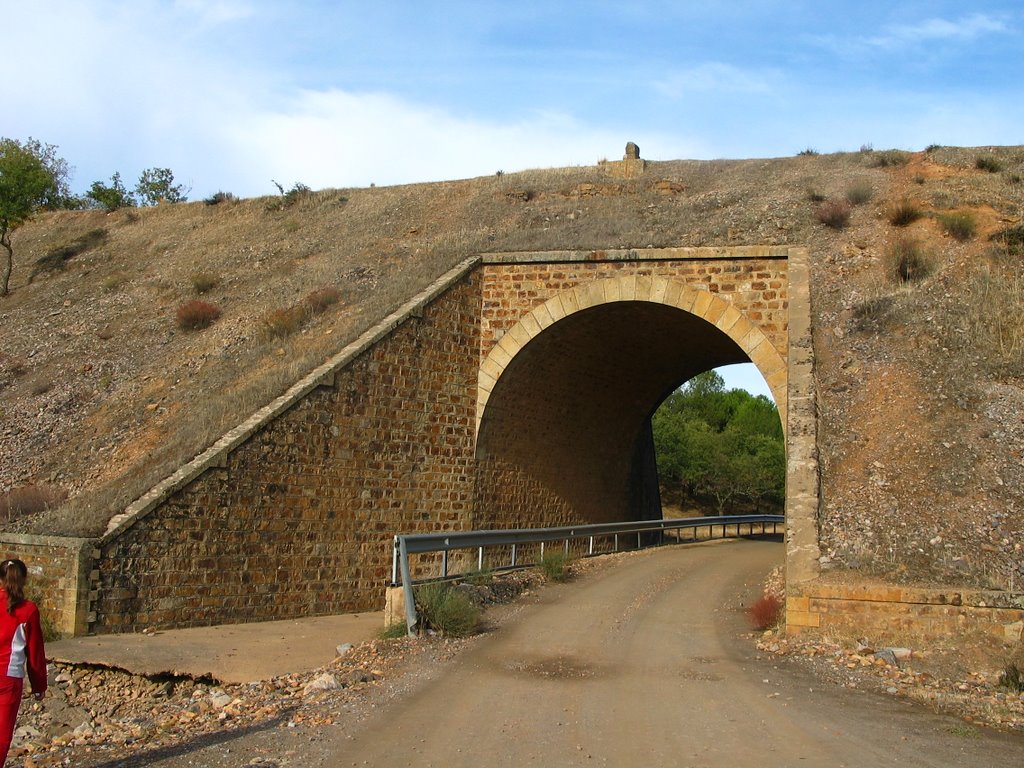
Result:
pixel 638 664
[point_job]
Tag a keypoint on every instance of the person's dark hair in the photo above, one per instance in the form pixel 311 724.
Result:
pixel 14 573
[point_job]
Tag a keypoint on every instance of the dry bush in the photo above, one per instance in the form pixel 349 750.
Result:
pixel 1012 239
pixel 196 315
pixel 204 282
pixel 834 213
pixel 907 260
pixel 29 500
pixel 905 213
pixel 279 323
pixel 765 612
pixel 988 163
pixel 319 300
pixel 889 158
pixel 960 226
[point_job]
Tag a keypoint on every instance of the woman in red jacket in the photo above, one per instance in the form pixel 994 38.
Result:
pixel 21 644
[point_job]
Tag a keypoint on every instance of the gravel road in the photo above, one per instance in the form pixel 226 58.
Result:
pixel 643 663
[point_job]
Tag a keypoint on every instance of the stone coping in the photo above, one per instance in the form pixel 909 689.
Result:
pixel 216 455
pixel 640 254
pixel 42 540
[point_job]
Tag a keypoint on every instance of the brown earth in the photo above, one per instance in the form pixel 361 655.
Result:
pixel 920 383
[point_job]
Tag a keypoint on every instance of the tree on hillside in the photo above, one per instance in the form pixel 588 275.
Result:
pixel 110 196
pixel 156 185
pixel 32 177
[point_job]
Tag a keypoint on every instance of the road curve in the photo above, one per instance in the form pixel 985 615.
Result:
pixel 643 664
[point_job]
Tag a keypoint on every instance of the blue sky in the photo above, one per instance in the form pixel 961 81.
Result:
pixel 231 94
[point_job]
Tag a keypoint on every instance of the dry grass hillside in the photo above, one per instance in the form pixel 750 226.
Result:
pixel 917 314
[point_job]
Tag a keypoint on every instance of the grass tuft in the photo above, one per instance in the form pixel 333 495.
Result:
pixel 908 261
pixel 204 282
pixel 1012 679
pixel 395 631
pixel 960 225
pixel 555 565
pixel 196 315
pixel 860 193
pixel 905 213
pixel 445 609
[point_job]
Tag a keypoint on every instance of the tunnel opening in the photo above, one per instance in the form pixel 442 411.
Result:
pixel 565 436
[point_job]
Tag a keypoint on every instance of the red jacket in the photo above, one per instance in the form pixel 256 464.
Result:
pixel 21 641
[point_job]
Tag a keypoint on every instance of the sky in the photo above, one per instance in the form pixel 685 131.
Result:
pixel 235 95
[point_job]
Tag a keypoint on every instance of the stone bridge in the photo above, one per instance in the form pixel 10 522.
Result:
pixel 515 391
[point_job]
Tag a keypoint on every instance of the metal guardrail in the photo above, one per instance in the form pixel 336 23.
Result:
pixel 420 543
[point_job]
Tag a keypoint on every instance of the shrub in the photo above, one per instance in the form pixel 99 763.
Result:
pixel 815 196
pixel 889 158
pixel 1012 679
pixel 219 197
pixel 203 282
pixel 988 163
pixel 809 152
pixel 319 300
pixel 960 226
pixel 555 565
pixel 445 609
pixel 873 312
pixel 765 613
pixel 41 387
pixel 860 193
pixel 480 577
pixel 834 213
pixel 905 213
pixel 196 315
pixel 113 282
pixel 279 323
pixel 29 500
pixel 907 260
pixel 287 199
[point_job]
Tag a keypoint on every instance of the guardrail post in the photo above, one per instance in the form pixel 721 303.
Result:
pixel 394 562
pixel 480 559
pixel 590 549
pixel 444 564
pixel 513 555
pixel 410 598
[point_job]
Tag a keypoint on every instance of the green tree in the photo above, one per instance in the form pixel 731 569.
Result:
pixel 156 185
pixel 719 447
pixel 110 196
pixel 32 177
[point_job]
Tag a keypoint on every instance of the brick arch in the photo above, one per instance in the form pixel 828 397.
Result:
pixel 711 307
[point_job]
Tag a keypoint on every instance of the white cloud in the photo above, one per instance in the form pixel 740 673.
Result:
pixel 714 77
pixel 964 30
pixel 896 37
pixel 337 138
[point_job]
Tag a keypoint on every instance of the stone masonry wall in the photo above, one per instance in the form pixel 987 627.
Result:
pixel 756 286
pixel 299 520
pixel 58 577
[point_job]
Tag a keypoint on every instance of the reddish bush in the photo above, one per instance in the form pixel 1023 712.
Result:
pixel 834 213
pixel 320 299
pixel 196 315
pixel 765 613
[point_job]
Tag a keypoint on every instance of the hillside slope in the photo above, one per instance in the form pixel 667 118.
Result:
pixel 920 381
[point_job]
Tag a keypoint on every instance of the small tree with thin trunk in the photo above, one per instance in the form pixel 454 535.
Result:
pixel 31 177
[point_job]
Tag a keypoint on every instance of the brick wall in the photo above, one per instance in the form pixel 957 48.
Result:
pixel 298 521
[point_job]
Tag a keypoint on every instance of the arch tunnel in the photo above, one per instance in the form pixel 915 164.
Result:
pixel 565 434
